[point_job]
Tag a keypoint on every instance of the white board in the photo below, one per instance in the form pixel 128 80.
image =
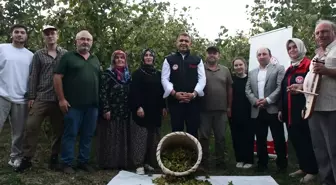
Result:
pixel 129 178
pixel 275 40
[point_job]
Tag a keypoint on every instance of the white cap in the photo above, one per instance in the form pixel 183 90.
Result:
pixel 46 27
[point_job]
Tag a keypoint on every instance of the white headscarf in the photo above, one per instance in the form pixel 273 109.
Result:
pixel 301 50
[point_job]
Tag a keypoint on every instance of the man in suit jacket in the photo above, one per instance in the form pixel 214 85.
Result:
pixel 263 91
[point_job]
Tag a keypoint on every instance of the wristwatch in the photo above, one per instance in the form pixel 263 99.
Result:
pixel 194 95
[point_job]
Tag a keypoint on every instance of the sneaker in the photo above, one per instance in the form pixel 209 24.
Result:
pixel 140 171
pixel 68 170
pixel 148 167
pixel 86 167
pixel 25 164
pixel 14 163
pixel 307 178
pixel 297 173
pixel 240 165
pixel 247 166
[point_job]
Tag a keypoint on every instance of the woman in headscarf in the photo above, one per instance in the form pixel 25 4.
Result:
pixel 242 131
pixel 114 123
pixel 291 105
pixel 147 106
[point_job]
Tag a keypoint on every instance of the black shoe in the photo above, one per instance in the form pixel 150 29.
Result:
pixel 281 170
pixel 53 163
pixel 85 167
pixel 261 169
pixel 25 164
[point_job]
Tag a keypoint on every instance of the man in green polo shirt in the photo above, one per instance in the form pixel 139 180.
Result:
pixel 76 83
pixel 216 107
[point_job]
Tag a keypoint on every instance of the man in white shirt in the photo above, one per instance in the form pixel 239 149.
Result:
pixel 15 62
pixel 263 91
pixel 183 79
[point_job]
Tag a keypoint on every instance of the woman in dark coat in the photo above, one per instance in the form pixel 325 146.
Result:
pixel 242 129
pixel 114 120
pixel 147 106
pixel 291 105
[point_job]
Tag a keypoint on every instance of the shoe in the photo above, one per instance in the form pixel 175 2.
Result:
pixel 247 166
pixel 85 167
pixel 307 178
pixel 261 169
pixel 14 163
pixel 53 163
pixel 148 167
pixel 25 164
pixel 297 173
pixel 68 169
pixel 240 165
pixel 281 170
pixel 140 171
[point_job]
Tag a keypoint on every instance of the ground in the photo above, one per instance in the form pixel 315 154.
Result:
pixel 40 175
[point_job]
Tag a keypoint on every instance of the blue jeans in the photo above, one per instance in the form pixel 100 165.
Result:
pixel 83 120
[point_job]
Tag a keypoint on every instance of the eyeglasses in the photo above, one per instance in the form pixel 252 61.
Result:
pixel 85 39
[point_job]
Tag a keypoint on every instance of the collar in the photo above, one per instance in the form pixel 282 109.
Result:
pixel 58 49
pixel 330 46
pixel 267 66
pixel 208 68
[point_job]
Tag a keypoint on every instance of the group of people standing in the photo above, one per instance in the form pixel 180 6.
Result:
pixel 126 109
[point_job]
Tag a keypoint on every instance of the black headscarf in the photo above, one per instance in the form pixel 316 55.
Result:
pixel 147 68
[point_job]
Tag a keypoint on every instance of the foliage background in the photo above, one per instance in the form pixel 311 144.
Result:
pixel 139 24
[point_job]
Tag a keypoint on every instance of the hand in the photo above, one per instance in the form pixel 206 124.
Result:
pixel 30 103
pixel 164 112
pixel 64 106
pixel 280 116
pixel 228 112
pixel 180 95
pixel 261 103
pixel 107 115
pixel 294 88
pixel 140 112
pixel 320 68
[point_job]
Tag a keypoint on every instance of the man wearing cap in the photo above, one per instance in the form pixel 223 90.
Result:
pixel 42 100
pixel 216 106
pixel 183 79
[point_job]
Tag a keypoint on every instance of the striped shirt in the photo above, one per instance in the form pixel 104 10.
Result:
pixel 40 85
pixel 326 101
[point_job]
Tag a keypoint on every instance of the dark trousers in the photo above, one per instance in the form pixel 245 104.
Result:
pixel 185 113
pixel 299 134
pixel 36 116
pixel 83 121
pixel 263 121
pixel 242 133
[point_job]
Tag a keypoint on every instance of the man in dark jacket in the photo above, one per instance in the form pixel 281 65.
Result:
pixel 183 79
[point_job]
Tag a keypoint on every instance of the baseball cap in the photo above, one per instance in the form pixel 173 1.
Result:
pixel 47 27
pixel 212 48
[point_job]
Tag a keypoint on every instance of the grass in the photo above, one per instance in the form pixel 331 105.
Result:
pixel 41 175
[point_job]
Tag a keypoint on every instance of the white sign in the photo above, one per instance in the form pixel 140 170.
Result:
pixel 128 178
pixel 274 40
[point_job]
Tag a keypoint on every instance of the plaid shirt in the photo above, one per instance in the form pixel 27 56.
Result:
pixel 40 85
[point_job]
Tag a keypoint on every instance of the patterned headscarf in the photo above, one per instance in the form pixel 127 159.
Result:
pixel 122 73
pixel 149 69
pixel 301 50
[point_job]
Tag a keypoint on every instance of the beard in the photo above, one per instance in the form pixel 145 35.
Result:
pixel 212 62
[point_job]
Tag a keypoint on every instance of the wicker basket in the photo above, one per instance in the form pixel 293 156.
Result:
pixel 179 139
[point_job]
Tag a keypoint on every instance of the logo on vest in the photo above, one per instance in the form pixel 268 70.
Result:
pixel 299 79
pixel 175 66
pixel 192 66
